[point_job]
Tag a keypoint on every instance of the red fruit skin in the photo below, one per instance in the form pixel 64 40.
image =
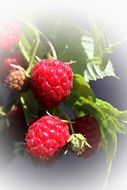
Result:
pixel 17 123
pixel 14 59
pixel 46 137
pixel 52 81
pixel 88 127
pixel 10 34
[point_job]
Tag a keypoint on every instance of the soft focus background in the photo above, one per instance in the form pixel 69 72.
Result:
pixel 70 172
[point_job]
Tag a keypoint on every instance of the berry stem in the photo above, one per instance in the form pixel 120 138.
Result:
pixel 53 51
pixel 107 176
pixel 35 49
pixel 33 56
pixel 2 113
pixel 23 51
pixel 72 130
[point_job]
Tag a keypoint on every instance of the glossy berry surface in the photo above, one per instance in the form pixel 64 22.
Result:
pixel 51 82
pixel 88 127
pixel 46 137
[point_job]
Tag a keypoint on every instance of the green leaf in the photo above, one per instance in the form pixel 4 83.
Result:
pixel 80 87
pixel 88 44
pixel 4 123
pixel 102 48
pixel 97 46
pixel 98 65
pixel 67 37
pixel 99 37
pixel 111 121
pixel 18 147
pixel 94 72
pixel 30 106
pixel 109 144
pixel 90 49
pixel 27 42
pixel 32 44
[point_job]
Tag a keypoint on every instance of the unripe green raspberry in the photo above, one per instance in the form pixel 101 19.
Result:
pixel 78 142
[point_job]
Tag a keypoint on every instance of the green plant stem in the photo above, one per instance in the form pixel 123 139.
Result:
pixel 33 56
pixel 53 51
pixel 24 109
pixel 2 113
pixel 71 127
pixel 23 51
pixel 35 48
pixel 37 32
pixel 107 176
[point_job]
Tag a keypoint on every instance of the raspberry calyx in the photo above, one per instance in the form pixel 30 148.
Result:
pixel 78 143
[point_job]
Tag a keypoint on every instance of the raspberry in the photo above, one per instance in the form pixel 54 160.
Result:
pixel 51 82
pixel 10 34
pixel 17 123
pixel 13 59
pixel 16 79
pixel 46 137
pixel 78 142
pixel 8 62
pixel 88 127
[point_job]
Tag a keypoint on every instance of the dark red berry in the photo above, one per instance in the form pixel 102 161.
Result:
pixel 90 128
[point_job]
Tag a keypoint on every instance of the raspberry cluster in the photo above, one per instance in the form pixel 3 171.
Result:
pixel 50 81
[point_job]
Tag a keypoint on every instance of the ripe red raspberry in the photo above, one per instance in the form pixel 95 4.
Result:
pixel 51 82
pixel 17 123
pixel 46 137
pixel 88 127
pixel 10 34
